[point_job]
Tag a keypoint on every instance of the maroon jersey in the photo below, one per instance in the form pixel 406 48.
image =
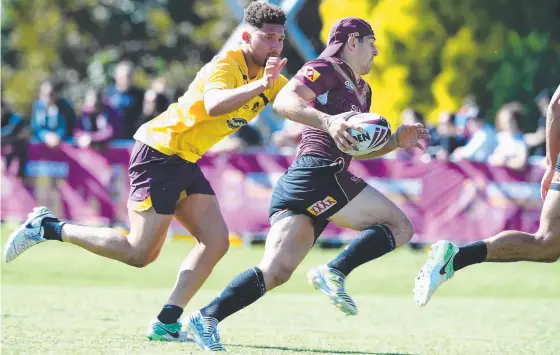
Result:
pixel 334 95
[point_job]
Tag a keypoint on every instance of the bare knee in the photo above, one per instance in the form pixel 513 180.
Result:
pixel 217 244
pixel 276 275
pixel 141 258
pixel 549 247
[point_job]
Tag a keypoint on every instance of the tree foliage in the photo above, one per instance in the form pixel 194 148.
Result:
pixel 79 42
pixel 434 53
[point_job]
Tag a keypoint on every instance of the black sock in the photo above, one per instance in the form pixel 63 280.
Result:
pixel 370 244
pixel 473 253
pixel 244 289
pixel 170 314
pixel 53 229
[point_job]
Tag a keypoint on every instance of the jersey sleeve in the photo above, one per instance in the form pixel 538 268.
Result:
pixel 222 75
pixel 279 83
pixel 318 75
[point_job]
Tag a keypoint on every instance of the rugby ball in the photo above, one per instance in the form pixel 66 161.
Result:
pixel 376 134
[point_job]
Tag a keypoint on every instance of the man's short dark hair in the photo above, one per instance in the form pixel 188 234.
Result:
pixel 258 13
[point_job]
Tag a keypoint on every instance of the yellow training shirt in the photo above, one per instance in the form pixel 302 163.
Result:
pixel 186 129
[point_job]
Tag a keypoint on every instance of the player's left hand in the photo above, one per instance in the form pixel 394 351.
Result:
pixel 546 181
pixel 408 135
pixel 272 69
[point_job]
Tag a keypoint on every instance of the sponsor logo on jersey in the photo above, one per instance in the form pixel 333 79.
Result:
pixel 235 123
pixel 320 207
pixel 310 73
pixel 556 177
pixel 355 108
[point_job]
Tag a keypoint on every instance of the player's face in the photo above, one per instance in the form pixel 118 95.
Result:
pixel 365 52
pixel 266 42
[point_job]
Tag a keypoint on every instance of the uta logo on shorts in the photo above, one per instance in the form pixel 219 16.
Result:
pixel 321 206
pixel 556 177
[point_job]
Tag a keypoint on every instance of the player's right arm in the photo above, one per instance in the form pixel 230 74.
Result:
pixel 292 103
pixel 222 97
pixel 552 140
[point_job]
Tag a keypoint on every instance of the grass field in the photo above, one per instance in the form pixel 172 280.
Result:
pixel 58 299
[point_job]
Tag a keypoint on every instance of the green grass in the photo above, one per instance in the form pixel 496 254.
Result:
pixel 58 299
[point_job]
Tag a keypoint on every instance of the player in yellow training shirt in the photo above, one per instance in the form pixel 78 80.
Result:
pixel 165 180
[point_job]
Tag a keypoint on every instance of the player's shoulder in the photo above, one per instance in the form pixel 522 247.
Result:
pixel 316 68
pixel 228 60
pixel 319 64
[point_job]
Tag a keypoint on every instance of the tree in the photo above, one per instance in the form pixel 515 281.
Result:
pixel 434 53
pixel 79 41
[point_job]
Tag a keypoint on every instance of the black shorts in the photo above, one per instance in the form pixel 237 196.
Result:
pixel 160 181
pixel 555 185
pixel 316 187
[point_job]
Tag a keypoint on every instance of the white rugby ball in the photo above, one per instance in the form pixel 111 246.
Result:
pixel 376 134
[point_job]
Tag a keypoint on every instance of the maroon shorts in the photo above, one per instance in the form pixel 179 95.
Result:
pixel 316 187
pixel 160 181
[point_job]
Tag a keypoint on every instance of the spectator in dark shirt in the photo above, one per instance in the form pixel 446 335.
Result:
pixel 153 105
pixel 445 139
pixel 15 136
pixel 536 140
pixel 126 98
pixel 52 117
pixel 97 124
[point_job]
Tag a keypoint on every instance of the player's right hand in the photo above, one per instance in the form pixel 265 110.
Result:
pixel 272 70
pixel 338 127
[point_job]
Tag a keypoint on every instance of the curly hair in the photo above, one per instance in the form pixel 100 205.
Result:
pixel 258 13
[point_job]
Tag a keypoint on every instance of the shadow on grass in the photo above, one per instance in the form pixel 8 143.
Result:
pixel 317 351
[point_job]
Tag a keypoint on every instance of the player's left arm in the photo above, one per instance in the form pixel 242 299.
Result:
pixel 406 136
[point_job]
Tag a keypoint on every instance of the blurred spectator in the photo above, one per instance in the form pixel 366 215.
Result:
pixel 536 140
pixel 411 116
pixel 126 99
pixel 246 139
pixel 511 151
pixel 98 123
pixel 52 117
pixel 160 85
pixel 287 139
pixel 445 139
pixel 468 109
pixel 482 141
pixel 15 137
pixel 153 105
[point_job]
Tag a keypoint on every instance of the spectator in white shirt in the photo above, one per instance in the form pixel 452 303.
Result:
pixel 512 151
pixel 482 140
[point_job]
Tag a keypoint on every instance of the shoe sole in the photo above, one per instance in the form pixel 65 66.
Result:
pixel 9 244
pixel 318 282
pixel 426 294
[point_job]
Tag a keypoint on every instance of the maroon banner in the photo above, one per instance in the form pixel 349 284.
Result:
pixel 456 201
